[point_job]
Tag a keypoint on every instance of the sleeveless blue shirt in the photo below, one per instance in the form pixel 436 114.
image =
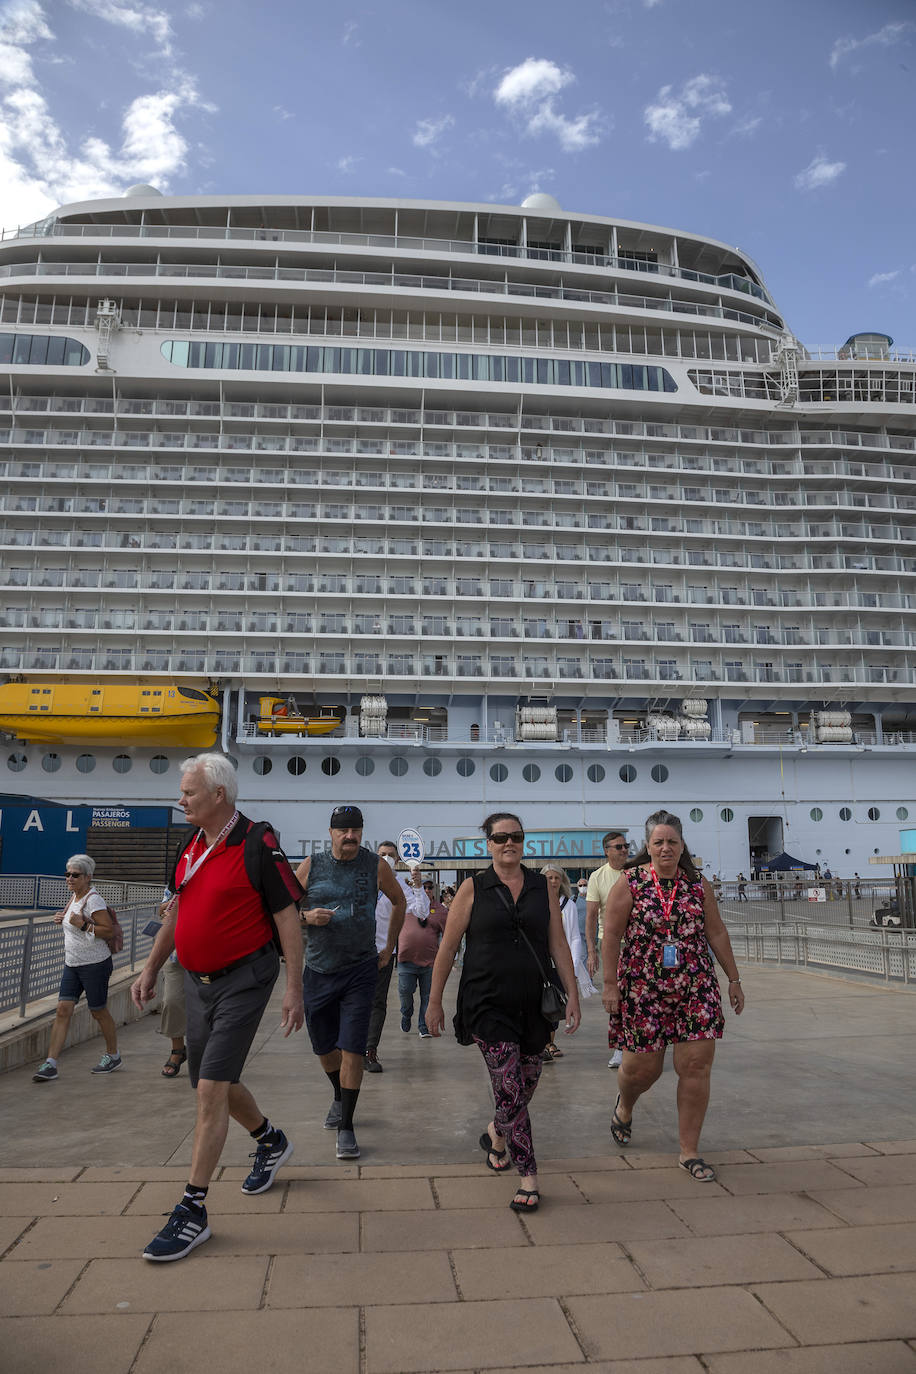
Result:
pixel 352 886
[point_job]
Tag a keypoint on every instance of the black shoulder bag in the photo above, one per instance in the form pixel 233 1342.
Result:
pixel 553 996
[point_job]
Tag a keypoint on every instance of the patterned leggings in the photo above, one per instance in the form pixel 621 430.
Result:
pixel 514 1077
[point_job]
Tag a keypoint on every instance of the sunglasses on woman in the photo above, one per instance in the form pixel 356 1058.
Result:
pixel 503 837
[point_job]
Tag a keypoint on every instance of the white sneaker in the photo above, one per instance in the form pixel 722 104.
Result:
pixel 615 1060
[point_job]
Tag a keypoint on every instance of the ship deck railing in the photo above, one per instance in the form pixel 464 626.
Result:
pixel 886 954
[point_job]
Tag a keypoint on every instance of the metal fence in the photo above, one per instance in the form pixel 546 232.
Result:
pixel 847 903
pixel 32 952
pixel 886 954
pixel 41 892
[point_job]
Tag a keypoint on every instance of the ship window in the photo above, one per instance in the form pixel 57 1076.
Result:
pixel 696 815
pixel 465 767
pixel 432 767
pixel 122 763
pixel 902 813
pixel 845 813
pixel 262 766
pixel 499 772
pixel 531 772
pixel 296 765
pixel 726 814
pixel 159 764
pixel 16 762
pixel 659 773
pixel 365 766
pixel 193 693
pixel 874 814
pixel 563 772
pixel 85 763
pixel 816 813
pixel 398 766
pixel 42 350
pixel 330 766
pixel 627 773
pixel 595 772
pixel 51 762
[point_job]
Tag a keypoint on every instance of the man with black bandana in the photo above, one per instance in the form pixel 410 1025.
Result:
pixel 341 961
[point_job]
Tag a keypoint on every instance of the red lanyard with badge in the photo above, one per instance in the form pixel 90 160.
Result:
pixel 671 950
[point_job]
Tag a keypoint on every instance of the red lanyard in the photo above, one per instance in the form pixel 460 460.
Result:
pixel 667 903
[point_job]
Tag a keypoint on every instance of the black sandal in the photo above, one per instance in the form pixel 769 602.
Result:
pixel 486 1143
pixel 621 1130
pixel 172 1065
pixel 698 1168
pixel 527 1205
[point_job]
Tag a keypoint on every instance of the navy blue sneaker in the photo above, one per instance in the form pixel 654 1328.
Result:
pixel 183 1230
pixel 405 1023
pixel 267 1160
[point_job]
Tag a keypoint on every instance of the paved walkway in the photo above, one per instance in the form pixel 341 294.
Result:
pixel 801 1259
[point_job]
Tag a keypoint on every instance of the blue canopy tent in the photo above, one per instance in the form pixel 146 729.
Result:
pixel 783 862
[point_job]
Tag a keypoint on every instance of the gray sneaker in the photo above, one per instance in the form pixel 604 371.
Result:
pixel 46 1073
pixel 332 1120
pixel 347 1147
pixel 107 1064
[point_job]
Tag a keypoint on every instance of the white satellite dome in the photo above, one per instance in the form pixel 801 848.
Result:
pixel 141 189
pixel 540 200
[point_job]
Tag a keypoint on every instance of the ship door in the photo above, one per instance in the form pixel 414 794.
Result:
pixel 765 839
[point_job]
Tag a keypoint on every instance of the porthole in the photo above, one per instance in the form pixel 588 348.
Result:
pixel 432 767
pixel 330 766
pixel 563 772
pixel 85 763
pixel 816 813
pixel 365 766
pixel 902 813
pixel 465 767
pixel 531 772
pixel 726 814
pixel 659 773
pixel 499 772
pixel 16 762
pixel 595 772
pixel 296 765
pixel 874 814
pixel 845 813
pixel 159 764
pixel 696 815
pixel 398 766
pixel 262 766
pixel 122 763
pixel 51 762
pixel 627 773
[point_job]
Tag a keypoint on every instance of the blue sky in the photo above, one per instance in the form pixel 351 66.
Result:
pixel 786 129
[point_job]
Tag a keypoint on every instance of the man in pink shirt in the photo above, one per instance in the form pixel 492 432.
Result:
pixel 417 947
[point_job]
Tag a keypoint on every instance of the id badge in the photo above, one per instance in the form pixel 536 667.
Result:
pixel 671 956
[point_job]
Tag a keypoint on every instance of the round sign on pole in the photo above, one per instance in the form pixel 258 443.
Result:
pixel 410 846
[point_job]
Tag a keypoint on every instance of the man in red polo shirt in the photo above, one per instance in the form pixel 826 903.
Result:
pixel 222 924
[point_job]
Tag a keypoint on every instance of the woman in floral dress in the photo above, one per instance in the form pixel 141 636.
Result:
pixel 659 928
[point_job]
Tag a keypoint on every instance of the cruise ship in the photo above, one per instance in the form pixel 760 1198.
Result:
pixel 441 509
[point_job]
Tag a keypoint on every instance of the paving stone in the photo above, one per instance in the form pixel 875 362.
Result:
pixel 871 1206
pixel 125 1237
pixel 104 1345
pixel 682 1364
pixel 480 1335
pixel 603 1221
pixel 723 1216
pixel 84 1238
pixel 859 1309
pixel 30 1287
pixel 361 1195
pixel 495 1190
pixel 801 1176
pixel 153 1199
pixel 440 1230
pixel 469 1170
pixel 869 1357
pixel 894 1147
pixel 637 1184
pixel 885 1171
pixel 64 1199
pixel 705 1261
pixel 670 1161
pixel 236 1173
pixel 679 1323
pixel 544 1271
pixel 311 1342
pixel 341 1280
pixel 62 1175
pixel 124 1173
pixel 10 1230
pixel 778 1153
pixel 222 1283
pixel 867 1250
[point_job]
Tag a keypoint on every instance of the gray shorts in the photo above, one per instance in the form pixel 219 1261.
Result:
pixel 223 1018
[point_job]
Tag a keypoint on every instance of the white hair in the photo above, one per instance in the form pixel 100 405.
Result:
pixel 218 772
pixel 565 888
pixel 82 863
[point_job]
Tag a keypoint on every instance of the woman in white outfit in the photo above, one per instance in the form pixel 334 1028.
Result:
pixel 558 881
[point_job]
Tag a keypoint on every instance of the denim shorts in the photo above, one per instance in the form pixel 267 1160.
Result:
pixel 91 979
pixel 223 1018
pixel 338 1006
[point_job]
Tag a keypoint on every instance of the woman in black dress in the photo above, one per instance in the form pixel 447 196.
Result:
pixel 499 996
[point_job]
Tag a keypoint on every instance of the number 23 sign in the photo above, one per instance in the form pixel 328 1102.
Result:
pixel 410 846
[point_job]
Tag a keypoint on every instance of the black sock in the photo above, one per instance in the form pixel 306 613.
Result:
pixel 194 1197
pixel 348 1098
pixel 334 1075
pixel 263 1132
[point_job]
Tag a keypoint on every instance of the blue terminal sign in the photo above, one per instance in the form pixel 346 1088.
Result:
pixel 540 844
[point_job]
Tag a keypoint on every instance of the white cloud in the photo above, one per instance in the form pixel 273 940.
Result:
pixel 880 278
pixel 21 24
pixel 886 38
pixel 746 127
pixel 396 172
pixel 819 172
pixel 283 113
pixel 527 92
pixel 429 131
pixel 677 118
pixel 348 164
pixel 138 18
pixel 350 30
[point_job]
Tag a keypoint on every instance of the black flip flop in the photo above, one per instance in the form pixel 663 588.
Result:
pixel 620 1130
pixel 486 1143
pixel 526 1206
